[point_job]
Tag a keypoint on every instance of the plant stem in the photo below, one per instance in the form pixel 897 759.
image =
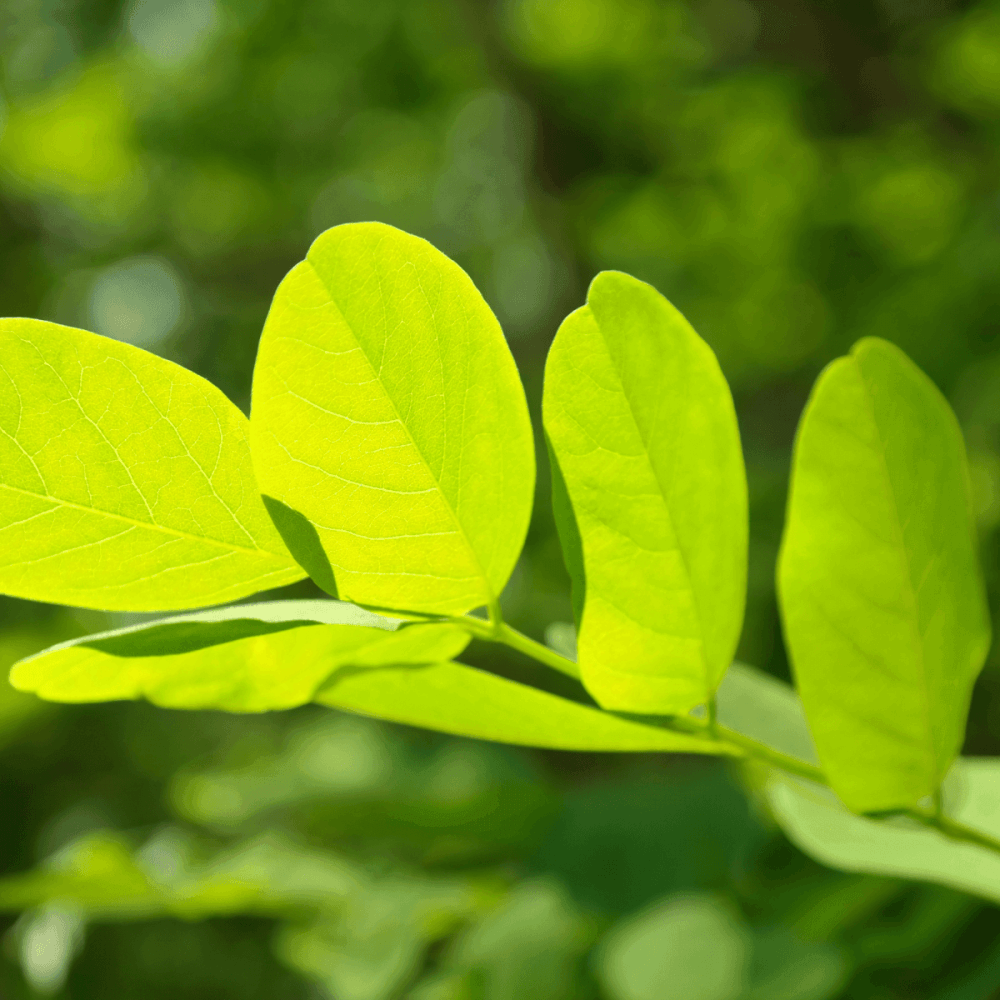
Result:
pixel 782 760
pixel 498 630
pixel 495 629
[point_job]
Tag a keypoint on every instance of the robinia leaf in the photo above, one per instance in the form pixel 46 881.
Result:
pixel 453 698
pixel 125 480
pixel 883 605
pixel 389 428
pixel 238 664
pixel 818 823
pixel 651 498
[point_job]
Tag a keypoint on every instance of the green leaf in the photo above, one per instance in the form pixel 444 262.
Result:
pixel 883 605
pixel 453 698
pixel 125 480
pixel 389 429
pixel 682 948
pixel 765 709
pixel 648 482
pixel 245 659
pixel 818 823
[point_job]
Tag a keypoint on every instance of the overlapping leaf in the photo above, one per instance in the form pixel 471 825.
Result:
pixel 390 431
pixel 650 496
pixel 453 698
pixel 819 824
pixel 881 596
pixel 125 481
pixel 250 658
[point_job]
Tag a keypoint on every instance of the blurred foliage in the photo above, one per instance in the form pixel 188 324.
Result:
pixel 793 174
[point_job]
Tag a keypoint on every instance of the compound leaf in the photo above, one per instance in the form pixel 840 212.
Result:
pixel 883 605
pixel 650 490
pixel 454 698
pixel 246 661
pixel 389 428
pixel 125 480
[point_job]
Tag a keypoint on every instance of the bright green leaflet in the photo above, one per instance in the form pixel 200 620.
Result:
pixel 453 698
pixel 125 481
pixel 240 665
pixel 883 605
pixel 389 428
pixel 649 482
pixel 818 823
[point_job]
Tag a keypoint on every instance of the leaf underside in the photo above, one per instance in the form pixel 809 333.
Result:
pixel 464 701
pixel 125 480
pixel 250 658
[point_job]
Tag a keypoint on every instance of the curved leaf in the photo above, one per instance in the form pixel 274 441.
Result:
pixel 389 428
pixel 818 823
pixel 238 665
pixel 453 698
pixel 125 480
pixel 650 488
pixel 883 605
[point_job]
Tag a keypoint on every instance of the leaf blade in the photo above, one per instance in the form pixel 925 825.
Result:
pixel 237 664
pixel 378 344
pixel 125 480
pixel 883 606
pixel 463 701
pixel 647 452
pixel 817 823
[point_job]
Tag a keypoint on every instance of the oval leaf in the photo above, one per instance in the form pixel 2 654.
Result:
pixel 390 430
pixel 454 698
pixel 125 480
pixel 238 665
pixel 650 495
pixel 883 606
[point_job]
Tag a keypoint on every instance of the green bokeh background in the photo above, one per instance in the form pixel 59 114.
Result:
pixel 792 174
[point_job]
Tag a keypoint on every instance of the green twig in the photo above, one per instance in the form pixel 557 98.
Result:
pixel 495 629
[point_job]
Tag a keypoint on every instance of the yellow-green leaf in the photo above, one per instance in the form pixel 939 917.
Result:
pixel 651 498
pixel 390 431
pixel 125 480
pixel 881 595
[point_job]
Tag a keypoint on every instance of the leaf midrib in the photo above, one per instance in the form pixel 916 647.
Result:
pixel 148 525
pixel 666 506
pixel 376 372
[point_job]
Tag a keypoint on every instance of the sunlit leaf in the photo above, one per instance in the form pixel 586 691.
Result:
pixel 457 699
pixel 883 605
pixel 651 498
pixel 389 427
pixel 125 480
pixel 821 826
pixel 261 661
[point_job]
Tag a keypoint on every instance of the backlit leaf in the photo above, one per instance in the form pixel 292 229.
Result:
pixel 883 605
pixel 389 427
pixel 453 698
pixel 125 480
pixel 239 664
pixel 650 496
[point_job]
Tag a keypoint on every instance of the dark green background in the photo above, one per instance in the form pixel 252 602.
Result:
pixel 792 174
